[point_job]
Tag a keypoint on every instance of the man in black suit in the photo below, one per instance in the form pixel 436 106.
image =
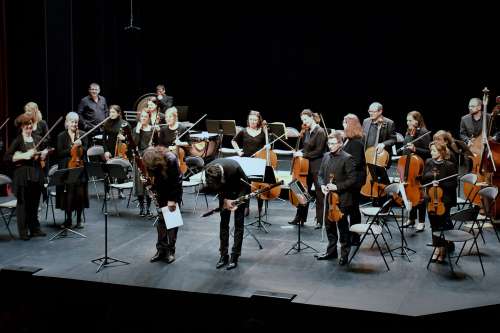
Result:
pixel 314 147
pixel 387 135
pixel 162 99
pixel 337 174
pixel 471 125
pixel 226 177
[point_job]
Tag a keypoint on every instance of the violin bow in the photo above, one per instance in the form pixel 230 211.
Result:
pixel 439 180
pixel 413 141
pixel 48 132
pixel 4 123
pixel 187 130
pixel 93 128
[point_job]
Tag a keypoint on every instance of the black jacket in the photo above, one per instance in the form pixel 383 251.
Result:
pixel 421 146
pixel 449 186
pixel 341 165
pixel 232 185
pixel 168 186
pixel 355 148
pixel 314 149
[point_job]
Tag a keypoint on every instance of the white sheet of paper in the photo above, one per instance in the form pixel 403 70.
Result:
pixel 251 166
pixel 403 195
pixel 172 219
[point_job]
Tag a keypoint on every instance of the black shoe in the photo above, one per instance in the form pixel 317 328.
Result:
pixel 38 233
pixel 24 237
pixel 343 261
pixel 158 256
pixel 79 226
pixel 170 258
pixel 142 212
pixel 233 263
pixel 296 220
pixel 326 256
pixel 65 225
pixel 318 226
pixel 222 261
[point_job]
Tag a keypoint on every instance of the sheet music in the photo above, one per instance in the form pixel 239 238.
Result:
pixel 172 219
pixel 403 195
pixel 253 167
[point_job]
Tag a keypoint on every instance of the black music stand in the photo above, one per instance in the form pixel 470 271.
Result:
pixel 221 127
pixel 269 178
pixel 108 171
pixel 303 196
pixel 67 177
pixel 379 175
pixel 404 245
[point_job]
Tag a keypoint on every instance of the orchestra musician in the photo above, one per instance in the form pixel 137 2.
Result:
pixel 40 127
pixel 471 124
pixel 416 128
pixel 353 145
pixel 156 117
pixel 142 139
pixel 226 177
pixel 71 197
pixel 92 109
pixel 113 132
pixel 166 177
pixel 437 167
pixel 459 151
pixel 337 174
pixel 314 143
pixel 168 136
pixel 387 136
pixel 252 138
pixel 28 177
pixel 163 100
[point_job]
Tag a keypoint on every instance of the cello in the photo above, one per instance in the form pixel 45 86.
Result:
pixel 299 168
pixel 372 188
pixel 271 162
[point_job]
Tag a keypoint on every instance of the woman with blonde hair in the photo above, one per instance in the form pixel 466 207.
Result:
pixel 40 126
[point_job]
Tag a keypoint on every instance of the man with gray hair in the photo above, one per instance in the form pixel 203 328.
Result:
pixel 471 125
pixel 92 108
pixel 387 135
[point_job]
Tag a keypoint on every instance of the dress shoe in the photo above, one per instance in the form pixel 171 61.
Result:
pixel 158 256
pixel 233 263
pixel 318 226
pixel 296 220
pixel 326 256
pixel 343 261
pixel 170 258
pixel 38 233
pixel 420 227
pixel 223 260
pixel 409 223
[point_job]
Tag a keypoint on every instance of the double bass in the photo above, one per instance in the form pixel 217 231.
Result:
pixel 372 188
pixel 299 168
pixel 271 164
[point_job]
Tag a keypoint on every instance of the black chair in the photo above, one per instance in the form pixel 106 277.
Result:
pixel 7 203
pixel 373 228
pixel 459 236
pixel 488 196
pixel 51 193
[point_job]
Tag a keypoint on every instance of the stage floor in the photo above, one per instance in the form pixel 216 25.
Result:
pixel 407 289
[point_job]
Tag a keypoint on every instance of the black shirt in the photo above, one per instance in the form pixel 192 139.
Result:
pixel 167 136
pixel 250 144
pixel 92 113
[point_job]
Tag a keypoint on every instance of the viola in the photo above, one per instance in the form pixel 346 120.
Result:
pixel 334 212
pixel 435 206
pixel 121 147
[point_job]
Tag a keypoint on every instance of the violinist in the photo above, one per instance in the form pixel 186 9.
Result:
pixel 71 197
pixel 113 136
pixel 28 177
pixel 163 170
pixel 168 136
pixel 353 145
pixel 337 174
pixel 387 135
pixel 436 168
pixel 314 144
pixel 416 128
pixel 459 151
pixel 252 138
pixel 40 127
pixel 142 138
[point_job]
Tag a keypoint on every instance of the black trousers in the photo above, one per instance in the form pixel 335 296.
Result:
pixel 312 178
pixel 354 213
pixel 438 223
pixel 421 209
pixel 333 238
pixel 28 199
pixel 166 238
pixel 239 227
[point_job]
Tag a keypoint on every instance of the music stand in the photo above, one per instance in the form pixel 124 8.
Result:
pixel 277 129
pixel 269 178
pixel 303 197
pixel 67 177
pixel 379 175
pixel 108 171
pixel 404 245
pixel 221 127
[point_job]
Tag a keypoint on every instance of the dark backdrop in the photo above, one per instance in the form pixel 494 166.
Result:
pixel 225 61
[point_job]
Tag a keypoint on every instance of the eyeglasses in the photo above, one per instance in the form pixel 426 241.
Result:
pixel 374 111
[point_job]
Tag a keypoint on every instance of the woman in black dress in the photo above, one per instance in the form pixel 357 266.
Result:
pixel 40 127
pixel 436 168
pixel 251 139
pixel 353 144
pixel 28 177
pixel 142 139
pixel 170 132
pixel 113 131
pixel 417 128
pixel 71 197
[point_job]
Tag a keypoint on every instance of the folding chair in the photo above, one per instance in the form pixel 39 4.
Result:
pixel 459 236
pixel 51 193
pixel 469 178
pixel 372 228
pixel 488 196
pixel 122 184
pixel 8 203
pixel 196 182
pixel 95 154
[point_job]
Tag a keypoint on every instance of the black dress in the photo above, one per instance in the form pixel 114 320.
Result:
pixel 71 197
pixel 167 136
pixel 111 129
pixel 250 144
pixel 28 182
pixel 141 140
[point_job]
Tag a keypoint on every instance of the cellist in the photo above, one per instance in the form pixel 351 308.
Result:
pixel 252 138
pixel 438 167
pixel 339 165
pixel 387 135
pixel 416 129
pixel 314 144
pixel 71 197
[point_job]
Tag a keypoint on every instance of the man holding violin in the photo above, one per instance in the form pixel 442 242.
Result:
pixel 337 178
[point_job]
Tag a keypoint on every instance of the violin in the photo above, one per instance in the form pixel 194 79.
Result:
pixel 121 147
pixel 334 212
pixel 435 206
pixel 76 154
